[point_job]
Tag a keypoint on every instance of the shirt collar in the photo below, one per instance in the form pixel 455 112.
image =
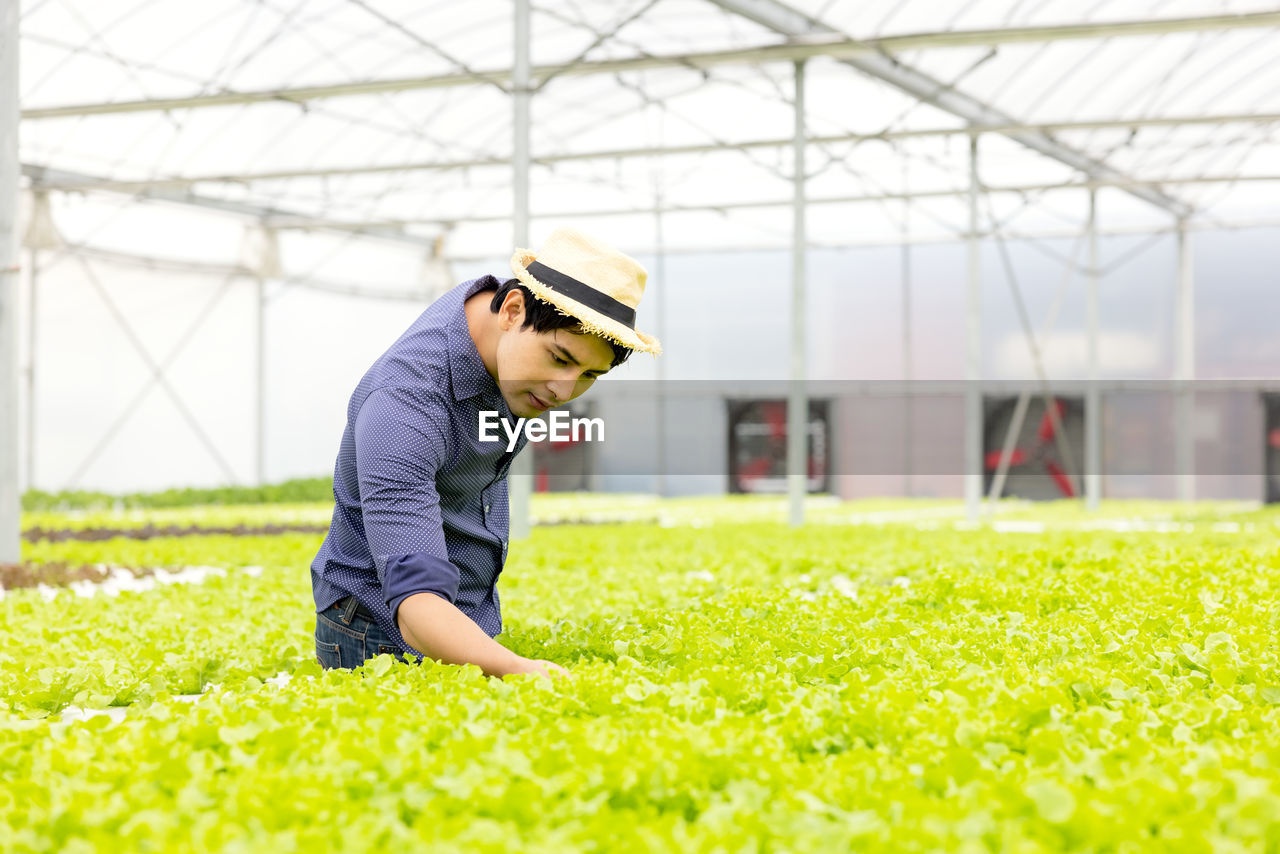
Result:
pixel 467 372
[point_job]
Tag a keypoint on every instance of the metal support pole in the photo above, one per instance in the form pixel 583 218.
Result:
pixel 660 310
pixel 973 354
pixel 1093 401
pixel 10 500
pixel 797 398
pixel 260 411
pixel 908 401
pixel 520 478
pixel 33 289
pixel 1185 368
pixel 660 294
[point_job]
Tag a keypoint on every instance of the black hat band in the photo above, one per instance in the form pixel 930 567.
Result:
pixel 583 293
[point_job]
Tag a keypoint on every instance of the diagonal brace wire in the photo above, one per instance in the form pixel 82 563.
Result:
pixel 157 376
pixel 1060 438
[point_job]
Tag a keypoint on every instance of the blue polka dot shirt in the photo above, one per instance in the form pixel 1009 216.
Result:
pixel 420 503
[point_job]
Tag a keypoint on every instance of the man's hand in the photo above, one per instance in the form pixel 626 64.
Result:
pixel 539 666
pixel 436 628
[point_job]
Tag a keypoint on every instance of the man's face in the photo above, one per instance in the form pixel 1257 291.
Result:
pixel 538 371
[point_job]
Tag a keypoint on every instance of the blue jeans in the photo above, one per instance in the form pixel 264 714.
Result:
pixel 346 637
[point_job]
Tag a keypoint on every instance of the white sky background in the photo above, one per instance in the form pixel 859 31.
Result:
pixel 77 52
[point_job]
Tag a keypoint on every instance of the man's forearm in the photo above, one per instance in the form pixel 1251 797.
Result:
pixel 437 629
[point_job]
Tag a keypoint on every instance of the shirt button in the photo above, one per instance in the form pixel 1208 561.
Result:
pixel 486 508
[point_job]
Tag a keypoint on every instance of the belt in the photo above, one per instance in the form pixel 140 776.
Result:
pixel 351 607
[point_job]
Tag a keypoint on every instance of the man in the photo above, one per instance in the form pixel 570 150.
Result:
pixel 420 521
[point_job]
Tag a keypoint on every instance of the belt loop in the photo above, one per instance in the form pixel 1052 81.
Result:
pixel 349 609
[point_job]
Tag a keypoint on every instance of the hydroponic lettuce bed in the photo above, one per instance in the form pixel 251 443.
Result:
pixel 738 687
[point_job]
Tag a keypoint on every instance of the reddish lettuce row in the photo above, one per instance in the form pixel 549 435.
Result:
pixel 300 489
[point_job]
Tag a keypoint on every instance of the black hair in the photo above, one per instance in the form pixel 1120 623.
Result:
pixel 544 317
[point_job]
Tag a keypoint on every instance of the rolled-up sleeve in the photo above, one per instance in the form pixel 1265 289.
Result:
pixel 400 444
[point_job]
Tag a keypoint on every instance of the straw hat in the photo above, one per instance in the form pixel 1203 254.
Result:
pixel 589 280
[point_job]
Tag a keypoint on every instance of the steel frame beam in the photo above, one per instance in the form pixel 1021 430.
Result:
pixel 881 66
pixel 1020 189
pixel 809 40
pixel 44 178
pixel 185 181
pixel 409 295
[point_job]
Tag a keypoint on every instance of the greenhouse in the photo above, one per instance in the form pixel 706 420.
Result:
pixel 874 408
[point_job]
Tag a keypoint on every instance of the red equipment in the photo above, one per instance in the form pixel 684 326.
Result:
pixel 1039 453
